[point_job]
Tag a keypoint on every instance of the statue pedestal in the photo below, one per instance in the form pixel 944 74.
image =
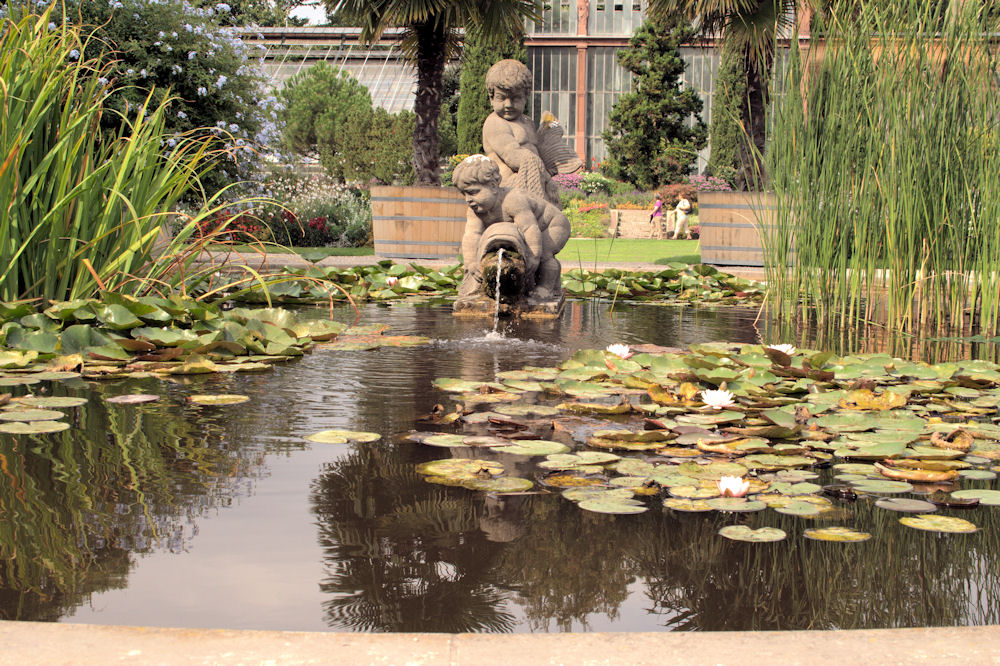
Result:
pixel 482 306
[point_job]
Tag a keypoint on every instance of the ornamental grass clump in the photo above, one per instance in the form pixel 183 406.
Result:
pixel 885 162
pixel 82 207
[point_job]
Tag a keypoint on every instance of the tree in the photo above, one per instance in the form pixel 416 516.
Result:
pixel 648 138
pixel 329 114
pixel 726 132
pixel 748 28
pixel 430 38
pixel 478 55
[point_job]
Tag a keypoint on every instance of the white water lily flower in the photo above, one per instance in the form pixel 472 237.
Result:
pixel 718 399
pixel 391 281
pixel 787 349
pixel 621 351
pixel 733 486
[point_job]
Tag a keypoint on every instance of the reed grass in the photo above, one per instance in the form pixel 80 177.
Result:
pixel 82 210
pixel 885 162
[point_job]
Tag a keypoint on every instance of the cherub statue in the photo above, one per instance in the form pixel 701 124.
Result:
pixel 527 158
pixel 515 219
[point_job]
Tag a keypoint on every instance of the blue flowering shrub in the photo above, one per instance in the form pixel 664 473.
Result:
pixel 171 47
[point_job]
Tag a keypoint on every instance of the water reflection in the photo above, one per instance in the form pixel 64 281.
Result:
pixel 86 510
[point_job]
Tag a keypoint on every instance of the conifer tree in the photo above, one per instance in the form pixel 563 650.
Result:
pixel 650 137
pixel 478 55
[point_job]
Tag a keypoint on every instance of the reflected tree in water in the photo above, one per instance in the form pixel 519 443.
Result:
pixel 400 556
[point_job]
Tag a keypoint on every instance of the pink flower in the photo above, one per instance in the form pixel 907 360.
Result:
pixel 621 351
pixel 391 281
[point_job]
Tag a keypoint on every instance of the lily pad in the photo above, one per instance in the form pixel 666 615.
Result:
pixel 26 380
pixel 613 506
pixel 132 398
pixel 55 402
pixel 935 523
pixel 687 505
pixel 501 484
pixel 343 436
pixel 839 534
pixel 461 468
pixel 985 496
pixel 31 415
pixel 879 486
pixel 533 447
pixel 527 410
pixel 978 475
pixel 759 535
pixel 798 508
pixel 905 504
pixel 33 428
pixel 441 440
pixel 587 493
pixel 693 492
pixel 735 504
pixel 217 399
pixel 572 480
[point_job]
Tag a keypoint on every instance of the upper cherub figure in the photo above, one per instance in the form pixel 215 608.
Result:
pixel 527 159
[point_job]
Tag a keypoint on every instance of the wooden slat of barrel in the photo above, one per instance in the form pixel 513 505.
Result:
pixel 418 222
pixel 728 226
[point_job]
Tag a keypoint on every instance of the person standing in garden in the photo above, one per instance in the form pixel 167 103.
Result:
pixel 656 219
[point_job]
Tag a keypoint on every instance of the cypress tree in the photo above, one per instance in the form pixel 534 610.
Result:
pixel 650 138
pixel 726 132
pixel 479 54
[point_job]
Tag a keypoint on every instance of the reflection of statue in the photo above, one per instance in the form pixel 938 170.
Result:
pixel 527 159
pixel 528 229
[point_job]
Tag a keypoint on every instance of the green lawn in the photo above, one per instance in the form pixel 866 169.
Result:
pixel 585 252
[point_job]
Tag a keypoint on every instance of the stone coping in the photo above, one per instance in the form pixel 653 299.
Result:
pixel 42 643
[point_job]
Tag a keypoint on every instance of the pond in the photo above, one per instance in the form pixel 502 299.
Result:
pixel 174 514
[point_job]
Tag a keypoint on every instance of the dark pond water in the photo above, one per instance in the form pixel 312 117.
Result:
pixel 169 514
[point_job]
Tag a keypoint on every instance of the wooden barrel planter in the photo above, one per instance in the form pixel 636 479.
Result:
pixel 730 225
pixel 418 222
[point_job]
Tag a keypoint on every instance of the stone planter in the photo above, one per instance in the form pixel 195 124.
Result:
pixel 418 222
pixel 730 226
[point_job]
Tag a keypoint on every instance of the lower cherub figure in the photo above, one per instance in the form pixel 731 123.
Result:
pixel 541 224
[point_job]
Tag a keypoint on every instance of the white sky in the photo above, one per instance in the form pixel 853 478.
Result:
pixel 316 15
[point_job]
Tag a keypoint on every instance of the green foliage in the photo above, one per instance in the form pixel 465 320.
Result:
pixel 330 114
pixel 650 139
pixel 479 54
pixel 75 194
pixel 727 133
pixel 587 220
pixel 594 183
pixel 255 12
pixel 448 119
pixel 172 49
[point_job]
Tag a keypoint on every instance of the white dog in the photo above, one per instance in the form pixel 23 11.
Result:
pixel 680 214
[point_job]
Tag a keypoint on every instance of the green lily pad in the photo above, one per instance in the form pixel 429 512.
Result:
pixel 18 381
pixel 457 385
pixel 693 492
pixel 798 508
pixel 527 410
pixel 54 375
pixel 880 486
pixel 580 494
pixel 935 523
pixel 735 504
pixel 613 506
pixel 442 440
pixel 461 468
pixel 977 474
pixel 759 535
pixel 984 495
pixel 501 484
pixel 687 505
pixel 132 398
pixel 56 402
pixel 217 399
pixel 839 534
pixel 31 415
pixel 905 504
pixel 33 428
pixel 532 447
pixel 343 436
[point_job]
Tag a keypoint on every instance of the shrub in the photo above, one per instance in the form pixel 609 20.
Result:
pixel 588 220
pixel 318 212
pixel 329 114
pixel 674 192
pixel 709 184
pixel 159 49
pixel 592 183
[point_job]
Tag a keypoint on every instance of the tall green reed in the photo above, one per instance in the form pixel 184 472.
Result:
pixel 885 166
pixel 82 210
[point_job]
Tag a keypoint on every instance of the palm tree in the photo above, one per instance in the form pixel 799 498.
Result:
pixel 432 36
pixel 748 28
